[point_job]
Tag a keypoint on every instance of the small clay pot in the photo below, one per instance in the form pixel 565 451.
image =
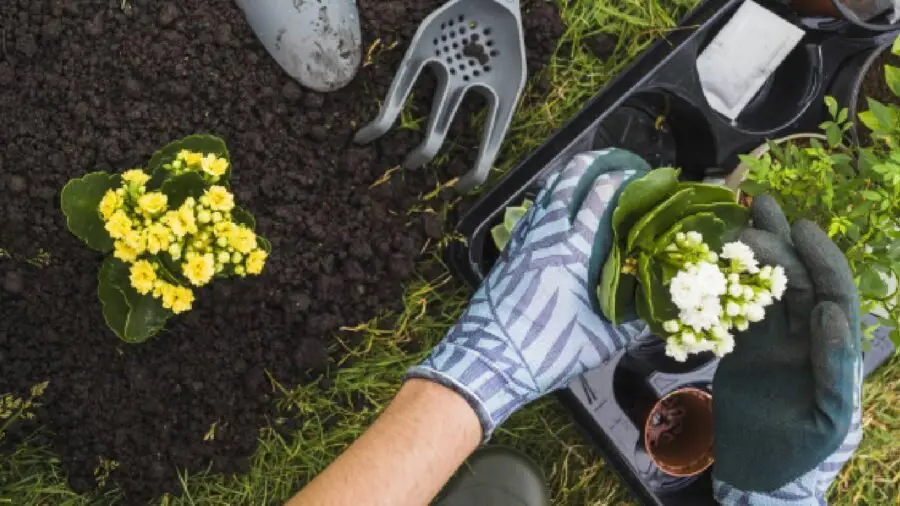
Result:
pixel 740 173
pixel 678 433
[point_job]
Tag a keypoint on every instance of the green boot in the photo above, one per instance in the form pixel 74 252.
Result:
pixel 496 476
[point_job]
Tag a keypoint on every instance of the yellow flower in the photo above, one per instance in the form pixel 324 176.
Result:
pixel 191 158
pixel 186 215
pixel 183 299
pixel 172 219
pixel 220 199
pixel 124 253
pixel 214 166
pixel 143 277
pixel 153 203
pixel 135 241
pixel 168 294
pixel 256 260
pixel 199 269
pixel 118 224
pixel 158 287
pixel 109 204
pixel 157 238
pixel 135 177
pixel 223 229
pixel 242 239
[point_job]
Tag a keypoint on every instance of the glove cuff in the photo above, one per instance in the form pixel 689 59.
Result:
pixel 482 383
pixel 800 492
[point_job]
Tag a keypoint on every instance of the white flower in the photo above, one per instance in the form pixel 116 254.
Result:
pixel 675 350
pixel 672 248
pixel 748 293
pixel 765 273
pixel 733 309
pixel 688 338
pixel 711 279
pixel 720 332
pixel 671 326
pixel 694 238
pixel 703 345
pixel 764 298
pixel 741 324
pixel 779 282
pixel 703 316
pixel 735 290
pixel 724 346
pixel 680 237
pixel 734 278
pixel 684 290
pixel 712 257
pixel 754 312
pixel 741 255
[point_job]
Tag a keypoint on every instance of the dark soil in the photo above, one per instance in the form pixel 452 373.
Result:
pixel 90 85
pixel 875 86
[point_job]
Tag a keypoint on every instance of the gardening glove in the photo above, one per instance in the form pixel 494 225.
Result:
pixel 787 401
pixel 535 322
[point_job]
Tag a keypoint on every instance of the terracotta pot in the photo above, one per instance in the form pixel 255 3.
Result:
pixel 678 433
pixel 739 174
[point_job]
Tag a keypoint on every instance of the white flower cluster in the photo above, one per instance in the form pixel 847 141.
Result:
pixel 715 294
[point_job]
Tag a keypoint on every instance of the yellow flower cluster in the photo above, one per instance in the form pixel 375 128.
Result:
pixel 209 165
pixel 200 236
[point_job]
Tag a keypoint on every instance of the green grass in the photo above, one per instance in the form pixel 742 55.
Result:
pixel 374 367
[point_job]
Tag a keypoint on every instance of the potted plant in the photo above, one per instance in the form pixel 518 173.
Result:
pixel 167 230
pixel 852 192
pixel 678 433
pixel 877 84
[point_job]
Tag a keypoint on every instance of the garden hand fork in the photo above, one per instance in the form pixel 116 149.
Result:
pixel 471 45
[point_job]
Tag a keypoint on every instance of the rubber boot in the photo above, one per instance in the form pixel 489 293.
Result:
pixel 496 476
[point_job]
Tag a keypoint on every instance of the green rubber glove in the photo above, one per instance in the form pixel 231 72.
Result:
pixel 784 400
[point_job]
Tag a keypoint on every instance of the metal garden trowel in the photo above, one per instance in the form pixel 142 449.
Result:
pixel 471 45
pixel 317 42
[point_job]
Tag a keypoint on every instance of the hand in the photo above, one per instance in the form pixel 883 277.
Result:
pixel 787 400
pixel 535 323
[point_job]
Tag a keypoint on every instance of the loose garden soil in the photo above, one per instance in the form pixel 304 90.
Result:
pixel 98 85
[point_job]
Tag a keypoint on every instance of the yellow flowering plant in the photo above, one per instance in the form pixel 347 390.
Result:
pixel 171 228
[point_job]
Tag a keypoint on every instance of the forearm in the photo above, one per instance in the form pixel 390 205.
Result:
pixel 407 455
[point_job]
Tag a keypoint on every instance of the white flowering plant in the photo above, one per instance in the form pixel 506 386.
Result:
pixel 676 263
pixel 171 228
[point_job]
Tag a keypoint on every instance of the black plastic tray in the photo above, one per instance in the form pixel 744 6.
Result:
pixel 609 404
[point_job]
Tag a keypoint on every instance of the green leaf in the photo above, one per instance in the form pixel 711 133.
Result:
pixel 734 217
pixel 179 188
pixel 842 117
pixel 656 222
pixel 200 143
pixel 512 216
pixel 884 115
pixel 872 195
pixel 895 338
pixel 833 133
pixel 832 106
pixel 501 236
pixel 79 200
pixel 895 47
pixel 713 229
pixel 657 295
pixel 753 188
pixel 115 307
pixel 140 317
pixel 640 196
pixel 892 77
pixel 893 251
pixel 170 270
pixel 642 305
pixel 868 119
pixel 243 217
pixel 264 244
pixel 609 284
pixel 872 285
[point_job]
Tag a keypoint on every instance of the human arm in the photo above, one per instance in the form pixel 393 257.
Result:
pixel 407 455
pixel 528 330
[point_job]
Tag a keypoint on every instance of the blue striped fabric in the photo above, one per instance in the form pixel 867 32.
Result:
pixel 531 326
pixel 809 489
